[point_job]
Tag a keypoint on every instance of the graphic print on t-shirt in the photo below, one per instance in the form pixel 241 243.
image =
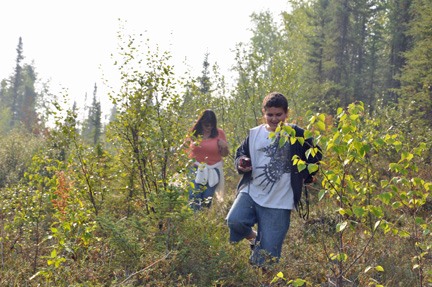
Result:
pixel 277 165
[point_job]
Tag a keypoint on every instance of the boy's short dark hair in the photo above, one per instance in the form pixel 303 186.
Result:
pixel 276 100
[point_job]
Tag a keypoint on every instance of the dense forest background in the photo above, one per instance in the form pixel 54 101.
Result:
pixel 92 203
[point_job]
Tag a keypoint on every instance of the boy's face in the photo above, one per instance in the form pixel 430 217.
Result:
pixel 274 116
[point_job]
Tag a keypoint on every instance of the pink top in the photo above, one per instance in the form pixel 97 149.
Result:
pixel 208 150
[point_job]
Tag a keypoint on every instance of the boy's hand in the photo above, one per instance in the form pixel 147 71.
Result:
pixel 310 180
pixel 245 169
pixel 245 165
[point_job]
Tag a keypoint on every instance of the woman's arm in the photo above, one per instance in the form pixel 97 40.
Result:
pixel 222 143
pixel 223 147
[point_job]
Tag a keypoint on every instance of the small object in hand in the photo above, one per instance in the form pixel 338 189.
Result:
pixel 245 162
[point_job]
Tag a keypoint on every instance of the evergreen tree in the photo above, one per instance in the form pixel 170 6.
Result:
pixel 204 80
pixel 19 96
pixel 5 115
pixel 400 42
pixel 416 77
pixel 113 113
pixel 92 127
pixel 198 92
pixel 266 63
pixel 314 73
pixel 97 119
pixel 16 84
pixel 375 57
pixel 27 102
pixel 336 54
pixel 346 53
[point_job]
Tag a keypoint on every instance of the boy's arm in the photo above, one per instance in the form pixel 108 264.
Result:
pixel 242 152
pixel 309 143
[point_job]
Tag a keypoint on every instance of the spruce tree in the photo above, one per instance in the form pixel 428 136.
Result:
pixel 16 83
pixel 27 102
pixel 416 77
pixel 5 116
pixel 204 79
pixel 93 124
pixel 400 42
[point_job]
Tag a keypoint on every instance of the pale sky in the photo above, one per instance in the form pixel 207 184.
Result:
pixel 70 40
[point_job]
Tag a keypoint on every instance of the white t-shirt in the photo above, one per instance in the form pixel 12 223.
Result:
pixel 271 175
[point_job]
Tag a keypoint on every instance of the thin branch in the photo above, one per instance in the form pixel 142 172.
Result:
pixel 364 249
pixel 148 267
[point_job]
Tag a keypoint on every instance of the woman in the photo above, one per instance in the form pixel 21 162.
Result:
pixel 208 146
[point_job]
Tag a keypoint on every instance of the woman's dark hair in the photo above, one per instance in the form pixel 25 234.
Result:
pixel 206 117
pixel 276 100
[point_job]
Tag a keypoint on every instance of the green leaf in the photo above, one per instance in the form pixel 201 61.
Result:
pixel 385 197
pixel 419 220
pixel 37 274
pixel 377 224
pixel 308 134
pixel 293 140
pixel 346 129
pixel 280 275
pixel 341 211
pixel 301 166
pixel 308 152
pixel 282 141
pixel 301 140
pixel 358 211
pixel 341 226
pixel 312 167
pixel 289 130
pixel 53 253
pixel 321 194
pixel 365 148
pixel 378 142
pixel 398 145
pixel 299 282
pixel 396 205
pixel 377 212
pixel 342 257
pixel 321 126
pixel 367 269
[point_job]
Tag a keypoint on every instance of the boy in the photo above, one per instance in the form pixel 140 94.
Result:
pixel 271 185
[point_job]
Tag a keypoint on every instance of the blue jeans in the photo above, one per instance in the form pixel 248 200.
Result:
pixel 200 195
pixel 273 225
